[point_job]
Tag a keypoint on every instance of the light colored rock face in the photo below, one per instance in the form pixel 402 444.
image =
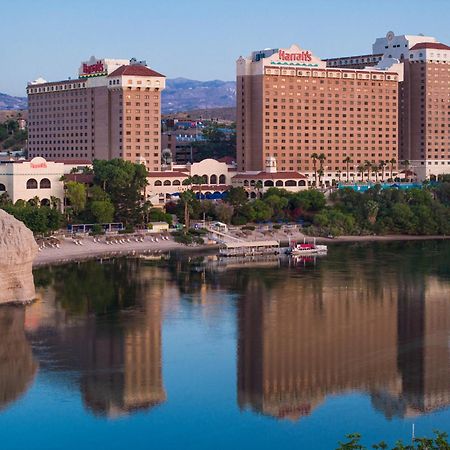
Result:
pixel 17 251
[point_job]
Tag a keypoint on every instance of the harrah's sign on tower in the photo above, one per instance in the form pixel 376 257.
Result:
pixel 90 69
pixel 301 56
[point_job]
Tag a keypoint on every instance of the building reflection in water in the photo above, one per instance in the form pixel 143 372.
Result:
pixel 313 336
pixel 17 365
pixel 303 333
pixel 118 355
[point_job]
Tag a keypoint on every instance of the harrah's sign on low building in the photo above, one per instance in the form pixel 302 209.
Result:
pixel 300 56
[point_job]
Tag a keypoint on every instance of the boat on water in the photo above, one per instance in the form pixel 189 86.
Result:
pixel 304 248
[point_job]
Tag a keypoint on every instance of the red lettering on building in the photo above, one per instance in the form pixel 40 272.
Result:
pixel 38 166
pixel 303 56
pixel 89 69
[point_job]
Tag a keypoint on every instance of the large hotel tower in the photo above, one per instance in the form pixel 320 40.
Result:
pixel 112 110
pixel 290 106
pixel 424 106
pixel 393 104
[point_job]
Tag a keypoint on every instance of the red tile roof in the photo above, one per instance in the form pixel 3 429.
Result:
pixel 167 174
pixel 433 45
pixel 135 70
pixel 271 176
pixel 80 162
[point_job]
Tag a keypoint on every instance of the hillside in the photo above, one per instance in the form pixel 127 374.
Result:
pixel 12 103
pixel 180 94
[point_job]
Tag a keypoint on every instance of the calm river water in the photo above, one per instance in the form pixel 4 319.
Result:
pixel 188 352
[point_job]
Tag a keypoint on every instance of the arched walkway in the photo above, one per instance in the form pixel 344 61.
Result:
pixel 222 179
pixel 213 179
pixel 2 187
pixel 45 202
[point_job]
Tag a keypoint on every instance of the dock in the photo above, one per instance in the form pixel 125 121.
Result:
pixel 249 248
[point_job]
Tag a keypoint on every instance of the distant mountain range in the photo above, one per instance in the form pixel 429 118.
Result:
pixel 180 94
pixel 12 103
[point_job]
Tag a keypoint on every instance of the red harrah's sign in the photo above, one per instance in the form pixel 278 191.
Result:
pixel 89 69
pixel 41 165
pixel 303 56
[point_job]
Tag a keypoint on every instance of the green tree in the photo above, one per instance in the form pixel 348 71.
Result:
pixel 124 182
pixel 102 210
pixel 76 194
pixel 262 211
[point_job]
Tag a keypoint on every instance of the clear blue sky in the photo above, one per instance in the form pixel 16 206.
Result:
pixel 195 38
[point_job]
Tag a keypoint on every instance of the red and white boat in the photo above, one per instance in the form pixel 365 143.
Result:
pixel 299 249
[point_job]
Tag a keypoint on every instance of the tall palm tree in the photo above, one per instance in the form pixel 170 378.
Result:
pixel 321 159
pixel 368 167
pixel 320 173
pixel 392 162
pixel 314 157
pixel 375 169
pixel 406 165
pixel 347 162
pixel 187 197
pixel 381 166
pixel 361 171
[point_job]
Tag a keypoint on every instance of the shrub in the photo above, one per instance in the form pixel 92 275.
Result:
pixel 277 226
pixel 249 227
pixel 97 230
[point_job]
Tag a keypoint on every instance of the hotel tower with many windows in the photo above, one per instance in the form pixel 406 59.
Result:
pixel 291 108
pixel 112 110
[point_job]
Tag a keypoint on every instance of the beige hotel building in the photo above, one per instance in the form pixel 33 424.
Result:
pixel 424 98
pixel 290 105
pixel 112 110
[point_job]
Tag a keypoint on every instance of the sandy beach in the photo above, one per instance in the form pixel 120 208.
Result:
pixel 68 251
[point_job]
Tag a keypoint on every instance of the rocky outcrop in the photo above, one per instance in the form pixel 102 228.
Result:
pixel 17 251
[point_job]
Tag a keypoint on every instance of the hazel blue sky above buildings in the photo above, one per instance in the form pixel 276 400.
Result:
pixel 198 39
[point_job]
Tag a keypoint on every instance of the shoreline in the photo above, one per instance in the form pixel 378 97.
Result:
pixel 69 252
pixel 383 238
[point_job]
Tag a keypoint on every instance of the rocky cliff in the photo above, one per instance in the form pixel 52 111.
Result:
pixel 17 251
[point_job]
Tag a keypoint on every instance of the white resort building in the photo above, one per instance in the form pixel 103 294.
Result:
pixel 26 180
pixel 218 177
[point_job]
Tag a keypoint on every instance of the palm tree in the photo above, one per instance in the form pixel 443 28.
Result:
pixel 368 167
pixel 361 171
pixel 258 187
pixel 392 162
pixel 347 162
pixel 381 166
pixel 375 170
pixel 321 159
pixel 320 173
pixel 187 197
pixel 406 165
pixel 314 157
